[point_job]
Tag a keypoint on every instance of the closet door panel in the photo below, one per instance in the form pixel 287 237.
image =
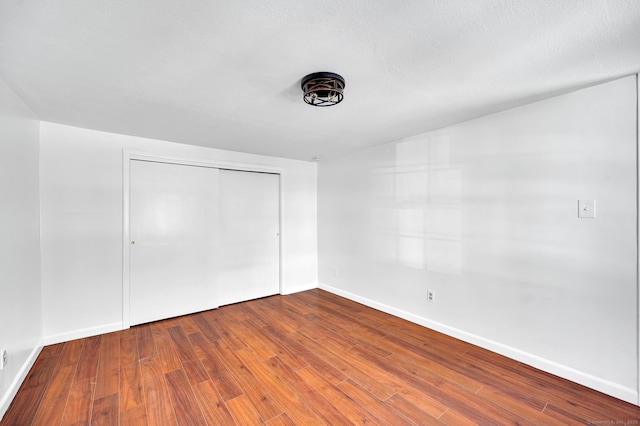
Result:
pixel 249 232
pixel 173 231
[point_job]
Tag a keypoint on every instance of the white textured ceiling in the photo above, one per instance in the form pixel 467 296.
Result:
pixel 226 74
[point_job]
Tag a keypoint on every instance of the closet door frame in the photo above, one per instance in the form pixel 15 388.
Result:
pixel 128 156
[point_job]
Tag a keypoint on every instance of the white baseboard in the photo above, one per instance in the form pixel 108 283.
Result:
pixel 299 288
pixel 11 392
pixel 82 333
pixel 605 386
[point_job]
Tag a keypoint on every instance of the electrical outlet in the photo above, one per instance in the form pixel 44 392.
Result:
pixel 431 295
pixel 3 358
pixel 587 209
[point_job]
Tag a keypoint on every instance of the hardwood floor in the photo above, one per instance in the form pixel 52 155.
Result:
pixel 306 359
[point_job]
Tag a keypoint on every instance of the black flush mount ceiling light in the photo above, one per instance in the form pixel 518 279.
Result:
pixel 323 89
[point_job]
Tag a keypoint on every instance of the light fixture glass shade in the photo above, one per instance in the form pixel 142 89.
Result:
pixel 323 89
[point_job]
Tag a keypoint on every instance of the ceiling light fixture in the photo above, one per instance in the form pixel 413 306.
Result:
pixel 323 89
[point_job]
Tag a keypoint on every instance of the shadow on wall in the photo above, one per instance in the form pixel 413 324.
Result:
pixel 416 208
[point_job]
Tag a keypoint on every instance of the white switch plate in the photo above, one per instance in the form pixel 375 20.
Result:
pixel 586 208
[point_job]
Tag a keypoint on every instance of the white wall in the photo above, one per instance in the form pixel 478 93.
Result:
pixel 20 292
pixel 82 226
pixel 484 213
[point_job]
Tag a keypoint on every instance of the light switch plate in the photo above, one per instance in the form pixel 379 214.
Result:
pixel 587 209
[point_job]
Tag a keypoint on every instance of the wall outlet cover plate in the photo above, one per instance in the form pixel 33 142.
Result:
pixel 587 209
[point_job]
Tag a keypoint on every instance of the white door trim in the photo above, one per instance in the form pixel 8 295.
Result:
pixel 638 231
pixel 128 155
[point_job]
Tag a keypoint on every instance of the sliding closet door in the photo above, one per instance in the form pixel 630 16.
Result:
pixel 249 232
pixel 173 232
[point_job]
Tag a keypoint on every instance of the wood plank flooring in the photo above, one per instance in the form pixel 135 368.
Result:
pixel 310 358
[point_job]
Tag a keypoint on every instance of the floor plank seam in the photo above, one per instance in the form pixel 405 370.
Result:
pixel 307 358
